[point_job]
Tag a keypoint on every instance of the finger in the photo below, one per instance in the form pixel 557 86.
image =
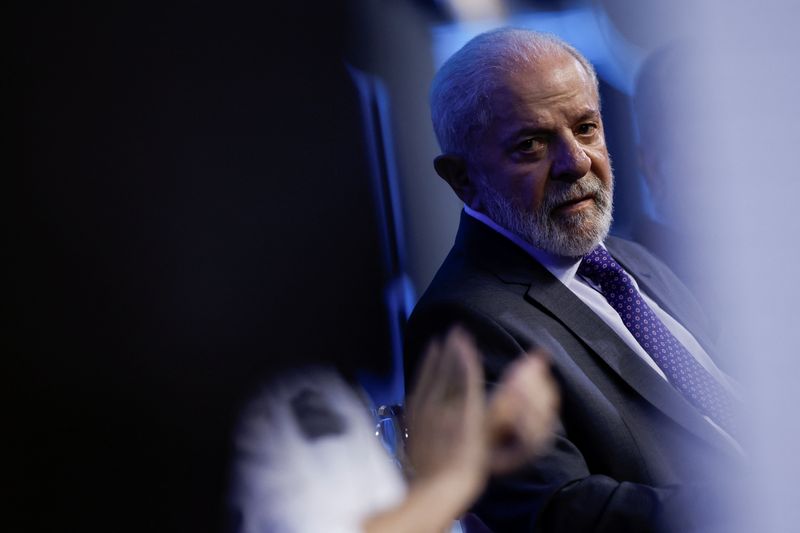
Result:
pixel 502 416
pixel 472 404
pixel 470 358
pixel 529 375
pixel 528 401
pixel 522 413
pixel 426 376
pixel 539 353
pixel 461 364
pixel 437 365
pixel 440 384
pixel 533 361
pixel 463 348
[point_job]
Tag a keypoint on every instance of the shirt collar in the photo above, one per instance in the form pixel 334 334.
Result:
pixel 563 268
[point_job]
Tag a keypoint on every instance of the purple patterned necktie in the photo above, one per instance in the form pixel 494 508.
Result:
pixel 681 368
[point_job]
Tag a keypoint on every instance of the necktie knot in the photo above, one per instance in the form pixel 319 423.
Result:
pixel 599 267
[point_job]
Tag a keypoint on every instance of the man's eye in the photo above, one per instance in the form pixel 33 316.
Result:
pixel 530 145
pixel 587 129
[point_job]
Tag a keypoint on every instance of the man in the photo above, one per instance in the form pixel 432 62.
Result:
pixel 647 417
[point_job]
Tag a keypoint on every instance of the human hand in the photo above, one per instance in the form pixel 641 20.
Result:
pixel 446 411
pixel 522 412
pixel 455 439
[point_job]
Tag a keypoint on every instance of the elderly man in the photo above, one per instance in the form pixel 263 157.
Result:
pixel 647 422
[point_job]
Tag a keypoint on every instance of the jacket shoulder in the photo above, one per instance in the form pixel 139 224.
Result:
pixel 463 294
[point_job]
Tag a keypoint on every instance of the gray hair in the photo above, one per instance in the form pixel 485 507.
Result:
pixel 462 88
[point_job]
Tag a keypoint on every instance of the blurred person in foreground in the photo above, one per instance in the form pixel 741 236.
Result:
pixel 648 422
pixel 669 116
pixel 307 458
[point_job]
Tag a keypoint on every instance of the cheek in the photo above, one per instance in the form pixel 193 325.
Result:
pixel 523 185
pixel 601 165
pixel 529 190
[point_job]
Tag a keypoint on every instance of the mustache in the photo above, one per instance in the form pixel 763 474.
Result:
pixel 559 193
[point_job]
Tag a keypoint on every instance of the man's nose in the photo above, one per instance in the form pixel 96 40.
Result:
pixel 571 162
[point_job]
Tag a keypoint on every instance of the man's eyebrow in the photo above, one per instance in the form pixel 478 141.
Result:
pixel 589 114
pixel 528 130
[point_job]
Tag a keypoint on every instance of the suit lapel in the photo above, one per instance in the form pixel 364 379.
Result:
pixel 608 346
pixel 512 265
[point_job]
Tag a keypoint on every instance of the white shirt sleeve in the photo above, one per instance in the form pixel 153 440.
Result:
pixel 285 481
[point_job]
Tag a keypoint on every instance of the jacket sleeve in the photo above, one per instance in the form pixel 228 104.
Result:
pixel 558 493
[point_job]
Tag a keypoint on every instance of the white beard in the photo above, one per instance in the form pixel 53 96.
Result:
pixel 573 235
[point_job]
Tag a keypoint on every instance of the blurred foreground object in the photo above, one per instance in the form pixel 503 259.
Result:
pixel 307 458
pixel 522 413
pixel 454 431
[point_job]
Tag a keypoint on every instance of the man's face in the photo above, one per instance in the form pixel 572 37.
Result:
pixel 541 167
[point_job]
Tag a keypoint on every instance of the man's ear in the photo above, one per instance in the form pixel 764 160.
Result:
pixel 453 170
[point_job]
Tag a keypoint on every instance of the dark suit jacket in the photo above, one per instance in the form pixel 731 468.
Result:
pixel 631 453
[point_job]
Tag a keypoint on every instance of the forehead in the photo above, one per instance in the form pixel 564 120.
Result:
pixel 552 86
